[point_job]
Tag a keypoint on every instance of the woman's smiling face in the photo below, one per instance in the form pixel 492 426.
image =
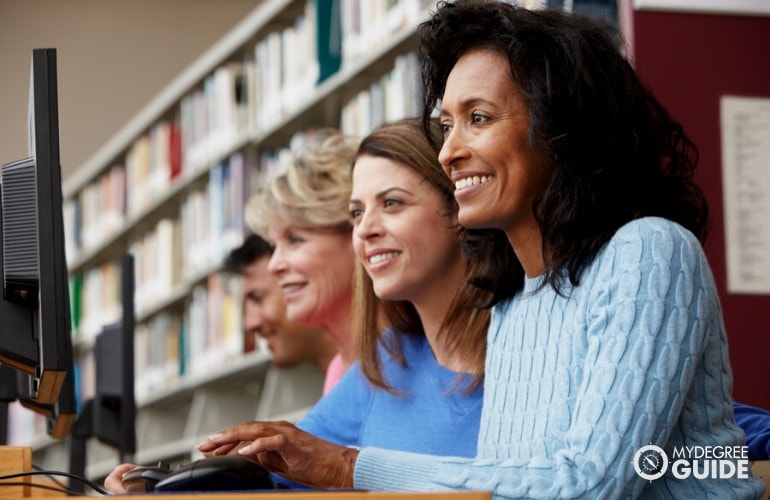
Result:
pixel 487 150
pixel 315 271
pixel 401 232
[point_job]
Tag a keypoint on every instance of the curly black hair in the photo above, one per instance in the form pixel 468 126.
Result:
pixel 614 152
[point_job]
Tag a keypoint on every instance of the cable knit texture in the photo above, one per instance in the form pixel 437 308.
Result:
pixel 577 383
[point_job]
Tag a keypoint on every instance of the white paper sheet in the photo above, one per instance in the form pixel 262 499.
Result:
pixel 745 123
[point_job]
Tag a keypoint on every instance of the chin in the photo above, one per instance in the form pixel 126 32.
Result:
pixel 388 293
pixel 470 221
pixel 478 218
pixel 299 316
pixel 383 294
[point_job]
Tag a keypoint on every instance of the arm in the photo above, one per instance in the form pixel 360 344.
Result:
pixel 647 315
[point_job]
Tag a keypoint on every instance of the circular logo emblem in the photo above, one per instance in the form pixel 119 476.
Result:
pixel 650 462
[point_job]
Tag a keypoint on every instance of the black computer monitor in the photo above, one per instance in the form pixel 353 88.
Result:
pixel 114 409
pixel 35 326
pixel 110 416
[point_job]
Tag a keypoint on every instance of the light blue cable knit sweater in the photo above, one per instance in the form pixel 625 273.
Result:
pixel 576 384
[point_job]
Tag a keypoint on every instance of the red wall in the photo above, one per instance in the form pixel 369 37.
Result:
pixel 689 61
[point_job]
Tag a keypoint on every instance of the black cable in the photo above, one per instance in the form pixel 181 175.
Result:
pixel 55 473
pixel 52 478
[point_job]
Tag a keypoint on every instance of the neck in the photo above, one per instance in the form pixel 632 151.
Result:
pixel 339 328
pixel 324 357
pixel 433 306
pixel 528 246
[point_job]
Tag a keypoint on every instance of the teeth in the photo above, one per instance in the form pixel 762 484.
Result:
pixel 375 259
pixel 472 181
pixel 291 288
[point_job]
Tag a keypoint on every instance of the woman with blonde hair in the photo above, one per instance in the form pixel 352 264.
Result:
pixel 303 214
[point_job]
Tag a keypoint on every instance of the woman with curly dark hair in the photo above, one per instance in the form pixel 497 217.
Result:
pixel 606 338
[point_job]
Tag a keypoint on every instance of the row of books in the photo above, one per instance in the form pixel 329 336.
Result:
pixel 215 117
pixel 205 336
pixel 229 108
pixel 94 300
pixel 202 335
pixel 367 25
pixel 173 253
pixel 212 218
pixel 104 206
pixel 398 94
pixel 286 68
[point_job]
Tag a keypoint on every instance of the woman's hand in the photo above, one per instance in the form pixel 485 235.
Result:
pixel 282 448
pixel 114 482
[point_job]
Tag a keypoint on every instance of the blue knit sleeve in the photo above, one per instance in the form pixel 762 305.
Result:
pixel 634 336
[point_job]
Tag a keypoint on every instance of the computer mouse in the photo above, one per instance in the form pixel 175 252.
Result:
pixel 144 479
pixel 221 473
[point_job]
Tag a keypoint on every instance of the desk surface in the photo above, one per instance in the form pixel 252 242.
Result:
pixel 309 495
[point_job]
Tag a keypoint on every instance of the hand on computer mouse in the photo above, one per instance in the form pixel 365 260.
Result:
pixel 283 448
pixel 114 482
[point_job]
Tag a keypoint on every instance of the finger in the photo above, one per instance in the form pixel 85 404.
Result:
pixel 275 442
pixel 225 449
pixel 246 431
pixel 230 436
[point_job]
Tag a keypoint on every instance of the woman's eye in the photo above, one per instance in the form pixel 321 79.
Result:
pixel 478 118
pixel 294 239
pixel 390 202
pixel 445 128
pixel 356 213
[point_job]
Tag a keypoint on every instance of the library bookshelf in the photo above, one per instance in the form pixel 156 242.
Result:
pixel 170 189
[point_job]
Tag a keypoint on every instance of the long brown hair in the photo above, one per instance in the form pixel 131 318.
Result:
pixel 465 326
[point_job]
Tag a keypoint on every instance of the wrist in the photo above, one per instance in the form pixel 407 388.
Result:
pixel 350 455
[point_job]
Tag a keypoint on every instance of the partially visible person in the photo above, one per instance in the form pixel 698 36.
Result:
pixel 755 422
pixel 303 214
pixel 264 312
pixel 606 333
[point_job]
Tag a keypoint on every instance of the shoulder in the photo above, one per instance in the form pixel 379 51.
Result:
pixel 647 228
pixel 654 245
pixel 653 263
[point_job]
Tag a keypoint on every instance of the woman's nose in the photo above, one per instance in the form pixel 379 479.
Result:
pixel 368 225
pixel 277 262
pixel 452 149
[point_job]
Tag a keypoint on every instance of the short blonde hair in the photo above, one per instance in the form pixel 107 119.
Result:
pixel 314 190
